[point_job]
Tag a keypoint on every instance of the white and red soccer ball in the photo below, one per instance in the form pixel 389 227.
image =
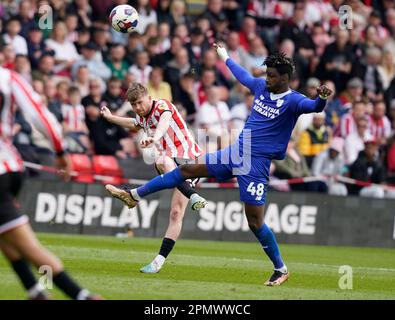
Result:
pixel 124 18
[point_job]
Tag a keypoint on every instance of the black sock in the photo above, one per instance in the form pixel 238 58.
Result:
pixel 65 283
pixel 186 189
pixel 25 273
pixel 166 247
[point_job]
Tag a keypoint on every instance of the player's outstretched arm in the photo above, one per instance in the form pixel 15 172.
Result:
pixel 307 105
pixel 130 123
pixel 239 72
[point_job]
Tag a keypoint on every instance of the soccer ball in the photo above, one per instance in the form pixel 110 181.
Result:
pixel 124 18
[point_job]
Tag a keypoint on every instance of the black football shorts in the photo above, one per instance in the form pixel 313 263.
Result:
pixel 10 217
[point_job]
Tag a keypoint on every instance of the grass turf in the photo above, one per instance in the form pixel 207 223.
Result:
pixel 212 270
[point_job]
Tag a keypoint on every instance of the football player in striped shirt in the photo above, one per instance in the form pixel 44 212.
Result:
pixel 166 131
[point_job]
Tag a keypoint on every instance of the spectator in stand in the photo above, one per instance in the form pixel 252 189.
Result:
pixel 101 37
pixel 117 62
pixel 147 15
pixel 320 38
pixel 368 168
pixel 236 52
pixel 141 69
pixel 314 139
pixel 213 10
pixel 181 31
pixel 25 17
pixel 96 67
pixel 9 55
pixel 354 142
pixel 113 95
pixel 223 76
pixel 13 27
pixel 178 10
pixel 22 66
pixel 293 166
pixel 240 113
pixel 36 46
pixel 215 119
pixel 157 87
pixel 372 79
pixel 305 120
pixel 186 96
pixel 353 92
pixel 176 68
pixel 247 33
pixel 348 121
pixel 257 52
pixel 163 11
pixel 74 126
pixel 53 103
pixel 104 136
pixel 296 29
pixel 46 65
pixel 336 62
pixel 83 10
pixel 81 80
pixel 71 22
pixel 197 47
pixel 334 109
pixel 84 37
pixel 379 124
pixel 386 69
pixel 163 37
pixel 330 163
pixel 65 52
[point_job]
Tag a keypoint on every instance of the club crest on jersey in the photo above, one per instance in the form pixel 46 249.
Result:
pixel 162 106
pixel 279 103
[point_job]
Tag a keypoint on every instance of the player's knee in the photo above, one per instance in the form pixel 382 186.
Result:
pixel 253 226
pixel 176 214
pixel 164 164
pixel 187 171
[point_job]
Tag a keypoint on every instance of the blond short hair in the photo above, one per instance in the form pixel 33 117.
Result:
pixel 135 91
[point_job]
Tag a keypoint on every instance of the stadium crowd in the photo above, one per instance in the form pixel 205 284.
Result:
pixel 79 64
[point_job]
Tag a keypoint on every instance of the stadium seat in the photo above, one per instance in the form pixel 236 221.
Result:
pixel 107 166
pixel 82 164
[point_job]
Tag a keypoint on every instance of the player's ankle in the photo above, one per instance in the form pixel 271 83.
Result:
pixel 135 196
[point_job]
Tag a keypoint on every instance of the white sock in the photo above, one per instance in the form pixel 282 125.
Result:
pixel 283 269
pixel 135 195
pixel 160 260
pixel 83 294
pixel 35 290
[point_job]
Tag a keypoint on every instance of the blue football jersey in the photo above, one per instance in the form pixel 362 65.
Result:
pixel 273 116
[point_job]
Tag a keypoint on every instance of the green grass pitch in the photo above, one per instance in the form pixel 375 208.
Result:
pixel 212 270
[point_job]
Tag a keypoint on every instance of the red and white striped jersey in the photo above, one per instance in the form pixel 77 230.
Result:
pixel 347 125
pixel 16 92
pixel 178 141
pixel 73 117
pixel 380 128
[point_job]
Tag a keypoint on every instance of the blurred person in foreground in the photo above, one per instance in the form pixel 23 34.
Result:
pixel 17 239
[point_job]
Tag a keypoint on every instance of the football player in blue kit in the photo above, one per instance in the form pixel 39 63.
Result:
pixel 264 137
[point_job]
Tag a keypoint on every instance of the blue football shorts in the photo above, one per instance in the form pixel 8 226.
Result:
pixel 252 173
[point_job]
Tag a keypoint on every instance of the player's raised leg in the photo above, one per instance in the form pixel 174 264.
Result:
pixel 267 239
pixel 165 181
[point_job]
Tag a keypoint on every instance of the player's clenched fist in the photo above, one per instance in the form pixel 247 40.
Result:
pixel 324 92
pixel 221 51
pixel 144 143
pixel 105 112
